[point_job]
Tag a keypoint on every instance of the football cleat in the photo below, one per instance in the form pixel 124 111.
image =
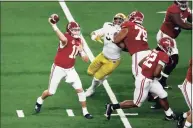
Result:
pixel 89 92
pixel 172 117
pixel 109 111
pixel 88 116
pixel 37 107
pixel 180 121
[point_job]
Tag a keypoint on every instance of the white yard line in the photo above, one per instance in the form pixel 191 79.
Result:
pixel 127 114
pixel 69 112
pixel 20 113
pixel 91 57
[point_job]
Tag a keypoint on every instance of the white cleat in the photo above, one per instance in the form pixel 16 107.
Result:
pixel 89 92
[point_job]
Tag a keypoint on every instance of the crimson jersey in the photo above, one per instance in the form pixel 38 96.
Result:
pixel 168 27
pixel 136 39
pixel 65 56
pixel 151 62
pixel 189 73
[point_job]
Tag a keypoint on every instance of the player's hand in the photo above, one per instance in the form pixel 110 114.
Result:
pixel 96 38
pixel 85 58
pixel 49 20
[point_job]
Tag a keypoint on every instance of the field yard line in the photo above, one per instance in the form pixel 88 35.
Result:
pixel 69 112
pixel 91 57
pixel 127 114
pixel 20 113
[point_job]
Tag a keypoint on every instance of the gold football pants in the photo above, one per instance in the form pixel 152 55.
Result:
pixel 102 66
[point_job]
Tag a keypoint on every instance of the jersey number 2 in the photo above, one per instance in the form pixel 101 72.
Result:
pixel 74 52
pixel 141 32
pixel 151 58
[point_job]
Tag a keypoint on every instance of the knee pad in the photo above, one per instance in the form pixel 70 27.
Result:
pixel 81 96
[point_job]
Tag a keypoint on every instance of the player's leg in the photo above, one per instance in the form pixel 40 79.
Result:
pixel 74 79
pixel 188 122
pixel 157 89
pixel 142 87
pixel 92 69
pixel 55 77
pixel 136 58
pixel 186 89
pixel 107 68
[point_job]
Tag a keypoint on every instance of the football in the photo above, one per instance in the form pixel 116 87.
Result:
pixel 54 18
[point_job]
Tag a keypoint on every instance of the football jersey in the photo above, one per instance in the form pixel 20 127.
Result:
pixel 110 49
pixel 151 62
pixel 136 39
pixel 168 27
pixel 189 72
pixel 66 55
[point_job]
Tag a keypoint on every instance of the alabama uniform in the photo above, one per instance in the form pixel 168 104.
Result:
pixel 186 87
pixel 178 16
pixel 63 67
pixel 69 47
pixel 145 82
pixel 169 28
pixel 136 43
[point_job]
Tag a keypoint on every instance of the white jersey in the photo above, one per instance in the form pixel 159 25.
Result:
pixel 110 50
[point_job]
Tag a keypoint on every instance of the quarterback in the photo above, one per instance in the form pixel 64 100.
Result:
pixel 70 45
pixel 109 59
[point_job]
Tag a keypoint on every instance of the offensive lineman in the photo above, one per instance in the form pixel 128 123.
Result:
pixel 187 90
pixel 146 81
pixel 69 47
pixel 178 17
pixel 134 36
pixel 109 59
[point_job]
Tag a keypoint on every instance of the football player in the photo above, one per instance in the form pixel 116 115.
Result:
pixel 134 36
pixel 147 80
pixel 109 59
pixel 70 45
pixel 187 89
pixel 178 16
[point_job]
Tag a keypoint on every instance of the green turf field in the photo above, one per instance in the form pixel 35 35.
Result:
pixel 28 47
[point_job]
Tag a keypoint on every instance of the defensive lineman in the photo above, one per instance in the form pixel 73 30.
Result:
pixel 109 59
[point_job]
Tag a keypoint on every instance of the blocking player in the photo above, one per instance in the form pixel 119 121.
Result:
pixel 134 36
pixel 187 89
pixel 109 59
pixel 146 81
pixel 178 16
pixel 69 47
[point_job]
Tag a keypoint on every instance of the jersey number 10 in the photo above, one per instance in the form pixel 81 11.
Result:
pixel 74 52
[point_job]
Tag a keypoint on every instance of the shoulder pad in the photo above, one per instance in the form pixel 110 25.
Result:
pixel 173 9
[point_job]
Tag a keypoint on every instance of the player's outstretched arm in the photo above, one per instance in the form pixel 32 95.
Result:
pixel 97 34
pixel 120 36
pixel 60 35
pixel 177 20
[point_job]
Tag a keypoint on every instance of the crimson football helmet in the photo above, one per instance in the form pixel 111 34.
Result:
pixel 136 16
pixel 182 4
pixel 166 44
pixel 73 28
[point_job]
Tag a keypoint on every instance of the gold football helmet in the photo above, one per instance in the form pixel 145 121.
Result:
pixel 119 18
